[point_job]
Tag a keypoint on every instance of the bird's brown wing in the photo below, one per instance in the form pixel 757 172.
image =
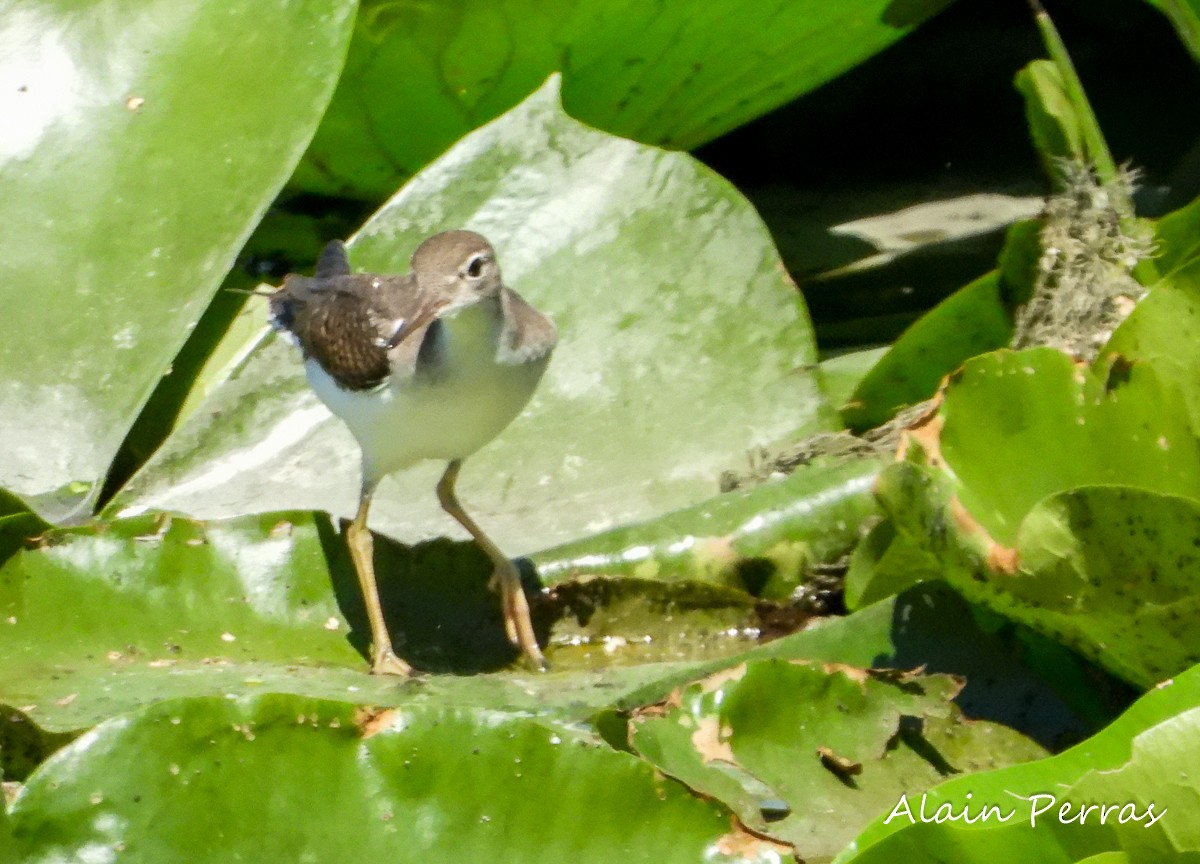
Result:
pixel 357 327
pixel 528 334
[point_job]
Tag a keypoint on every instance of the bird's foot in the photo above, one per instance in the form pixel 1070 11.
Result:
pixel 387 663
pixel 518 626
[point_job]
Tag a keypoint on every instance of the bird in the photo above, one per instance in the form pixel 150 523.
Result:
pixel 431 365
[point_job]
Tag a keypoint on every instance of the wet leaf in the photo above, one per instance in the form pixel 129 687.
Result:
pixel 402 784
pixel 1020 426
pixel 761 540
pixel 139 151
pixel 99 620
pixel 682 346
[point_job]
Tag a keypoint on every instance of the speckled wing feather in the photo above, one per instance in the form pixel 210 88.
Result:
pixel 350 323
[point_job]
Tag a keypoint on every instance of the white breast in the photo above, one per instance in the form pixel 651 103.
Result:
pixel 445 416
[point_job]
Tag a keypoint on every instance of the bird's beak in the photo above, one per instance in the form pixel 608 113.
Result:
pixel 423 316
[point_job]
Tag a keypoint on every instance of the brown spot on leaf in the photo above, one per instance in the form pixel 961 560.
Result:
pixel 741 844
pixel 715 680
pixel 1000 559
pixel 712 742
pixel 372 721
pixel 854 673
pixel 925 433
pixel 658 709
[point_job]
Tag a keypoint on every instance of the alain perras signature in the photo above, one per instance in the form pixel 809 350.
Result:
pixel 1040 805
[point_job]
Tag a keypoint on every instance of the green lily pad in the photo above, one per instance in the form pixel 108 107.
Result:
pixel 139 151
pixel 1060 500
pixel 99 620
pixel 1020 426
pixel 1013 675
pixel 762 540
pixel 808 754
pixel 1140 760
pixel 1164 327
pixel 419 77
pixel 683 345
pixel 404 784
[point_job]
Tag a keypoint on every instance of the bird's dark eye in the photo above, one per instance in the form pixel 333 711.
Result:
pixel 475 267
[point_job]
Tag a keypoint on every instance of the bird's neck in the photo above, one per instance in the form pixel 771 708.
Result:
pixel 473 332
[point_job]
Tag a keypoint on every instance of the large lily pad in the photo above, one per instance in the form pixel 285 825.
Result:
pixel 101 620
pixel 139 150
pixel 420 76
pixel 408 784
pixel 683 346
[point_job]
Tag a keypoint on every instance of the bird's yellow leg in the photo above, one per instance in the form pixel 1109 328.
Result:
pixel 517 623
pixel 362 548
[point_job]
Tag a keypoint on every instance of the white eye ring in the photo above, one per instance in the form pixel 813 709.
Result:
pixel 474 268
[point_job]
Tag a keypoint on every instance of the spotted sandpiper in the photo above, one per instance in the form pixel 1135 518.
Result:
pixel 432 365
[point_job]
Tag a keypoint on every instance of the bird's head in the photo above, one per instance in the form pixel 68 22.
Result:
pixel 459 266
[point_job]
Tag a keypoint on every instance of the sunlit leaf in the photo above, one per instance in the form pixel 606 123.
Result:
pixel 139 150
